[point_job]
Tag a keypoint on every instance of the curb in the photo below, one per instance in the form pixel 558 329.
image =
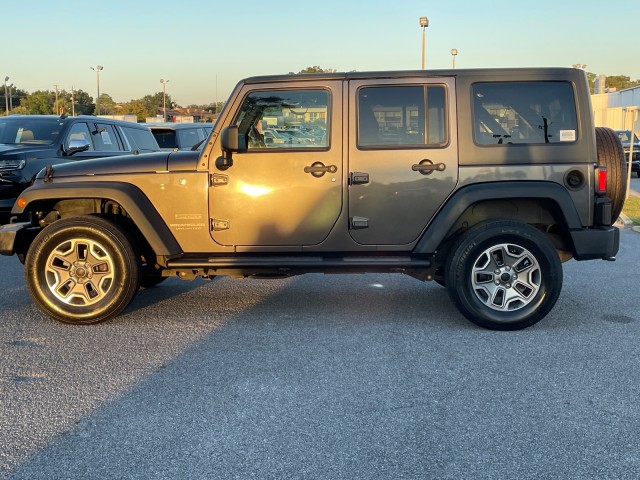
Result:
pixel 625 222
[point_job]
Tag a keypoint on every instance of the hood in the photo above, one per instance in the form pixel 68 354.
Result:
pixel 128 164
pixel 19 150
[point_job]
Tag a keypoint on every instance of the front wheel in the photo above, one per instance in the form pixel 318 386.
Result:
pixel 82 270
pixel 504 275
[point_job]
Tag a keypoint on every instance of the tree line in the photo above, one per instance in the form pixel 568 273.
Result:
pixel 79 102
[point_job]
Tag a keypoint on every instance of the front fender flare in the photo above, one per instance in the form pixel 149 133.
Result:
pixel 132 199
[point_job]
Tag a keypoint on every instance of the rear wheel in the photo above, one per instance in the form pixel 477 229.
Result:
pixel 504 275
pixel 82 270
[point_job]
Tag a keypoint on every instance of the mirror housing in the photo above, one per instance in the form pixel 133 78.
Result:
pixel 76 145
pixel 231 141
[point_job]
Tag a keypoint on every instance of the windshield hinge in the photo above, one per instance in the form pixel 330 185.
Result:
pixel 218 179
pixel 218 224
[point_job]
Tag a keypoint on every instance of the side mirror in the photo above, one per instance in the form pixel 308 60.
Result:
pixel 76 145
pixel 232 141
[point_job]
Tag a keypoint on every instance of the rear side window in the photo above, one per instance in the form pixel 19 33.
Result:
pixel 141 140
pixel 511 113
pixel 389 117
pixel 106 139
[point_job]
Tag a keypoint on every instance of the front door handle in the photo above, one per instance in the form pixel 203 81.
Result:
pixel 427 167
pixel 318 169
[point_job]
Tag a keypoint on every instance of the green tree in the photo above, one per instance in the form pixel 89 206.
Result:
pixel 83 103
pixel 620 82
pixel 314 69
pixel 40 102
pixel 140 108
pixel 107 104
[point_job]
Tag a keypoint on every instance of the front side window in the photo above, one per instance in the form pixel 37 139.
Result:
pixel 80 131
pixel 274 119
pixel 188 137
pixel 406 116
pixel 511 113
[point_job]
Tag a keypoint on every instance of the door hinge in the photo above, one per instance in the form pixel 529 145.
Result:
pixel 358 178
pixel 218 224
pixel 218 179
pixel 358 223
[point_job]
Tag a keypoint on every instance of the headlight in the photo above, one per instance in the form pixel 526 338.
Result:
pixel 12 164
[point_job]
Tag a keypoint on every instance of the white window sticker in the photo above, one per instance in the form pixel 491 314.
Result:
pixel 567 135
pixel 106 139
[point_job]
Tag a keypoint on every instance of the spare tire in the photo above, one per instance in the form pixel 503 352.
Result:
pixel 611 155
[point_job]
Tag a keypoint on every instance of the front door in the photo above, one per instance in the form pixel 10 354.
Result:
pixel 286 190
pixel 403 156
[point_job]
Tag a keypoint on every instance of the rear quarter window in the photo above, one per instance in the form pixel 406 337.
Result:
pixel 141 140
pixel 512 113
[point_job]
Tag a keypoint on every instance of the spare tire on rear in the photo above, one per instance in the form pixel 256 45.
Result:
pixel 611 155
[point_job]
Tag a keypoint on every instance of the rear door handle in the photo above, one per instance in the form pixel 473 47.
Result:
pixel 427 167
pixel 318 169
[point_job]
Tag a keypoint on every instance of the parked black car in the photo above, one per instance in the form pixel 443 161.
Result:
pixel 180 136
pixel 625 137
pixel 29 143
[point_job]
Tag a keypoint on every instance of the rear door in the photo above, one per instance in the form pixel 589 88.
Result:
pixel 403 156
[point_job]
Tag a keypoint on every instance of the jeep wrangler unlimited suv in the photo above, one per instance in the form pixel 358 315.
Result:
pixel 482 180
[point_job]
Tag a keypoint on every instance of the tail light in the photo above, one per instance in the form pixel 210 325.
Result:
pixel 601 180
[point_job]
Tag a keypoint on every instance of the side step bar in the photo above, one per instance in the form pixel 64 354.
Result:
pixel 301 263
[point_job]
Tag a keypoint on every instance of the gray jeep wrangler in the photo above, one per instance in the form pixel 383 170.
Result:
pixel 482 180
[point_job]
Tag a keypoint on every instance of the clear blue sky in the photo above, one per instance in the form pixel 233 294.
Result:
pixel 204 47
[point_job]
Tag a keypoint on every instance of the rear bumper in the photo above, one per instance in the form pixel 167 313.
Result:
pixel 596 243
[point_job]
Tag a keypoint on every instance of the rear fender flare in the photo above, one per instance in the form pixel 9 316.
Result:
pixel 438 229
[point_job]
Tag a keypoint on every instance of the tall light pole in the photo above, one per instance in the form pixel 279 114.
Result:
pixel 424 23
pixel 454 52
pixel 10 98
pixel 6 97
pixel 97 70
pixel 164 98
pixel 57 107
pixel 73 102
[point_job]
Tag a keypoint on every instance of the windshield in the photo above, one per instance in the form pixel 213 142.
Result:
pixel 29 131
pixel 625 135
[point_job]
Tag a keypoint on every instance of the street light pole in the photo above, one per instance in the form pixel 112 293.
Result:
pixel 73 102
pixel 164 98
pixel 97 70
pixel 454 52
pixel 6 97
pixel 424 23
pixel 57 107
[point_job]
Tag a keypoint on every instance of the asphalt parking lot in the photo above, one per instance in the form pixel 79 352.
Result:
pixel 359 376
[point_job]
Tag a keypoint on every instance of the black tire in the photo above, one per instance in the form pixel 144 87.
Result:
pixel 611 155
pixel 520 258
pixel 82 270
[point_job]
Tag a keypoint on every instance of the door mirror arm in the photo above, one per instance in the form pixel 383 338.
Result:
pixel 231 141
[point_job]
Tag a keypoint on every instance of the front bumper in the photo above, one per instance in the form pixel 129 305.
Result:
pixel 15 237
